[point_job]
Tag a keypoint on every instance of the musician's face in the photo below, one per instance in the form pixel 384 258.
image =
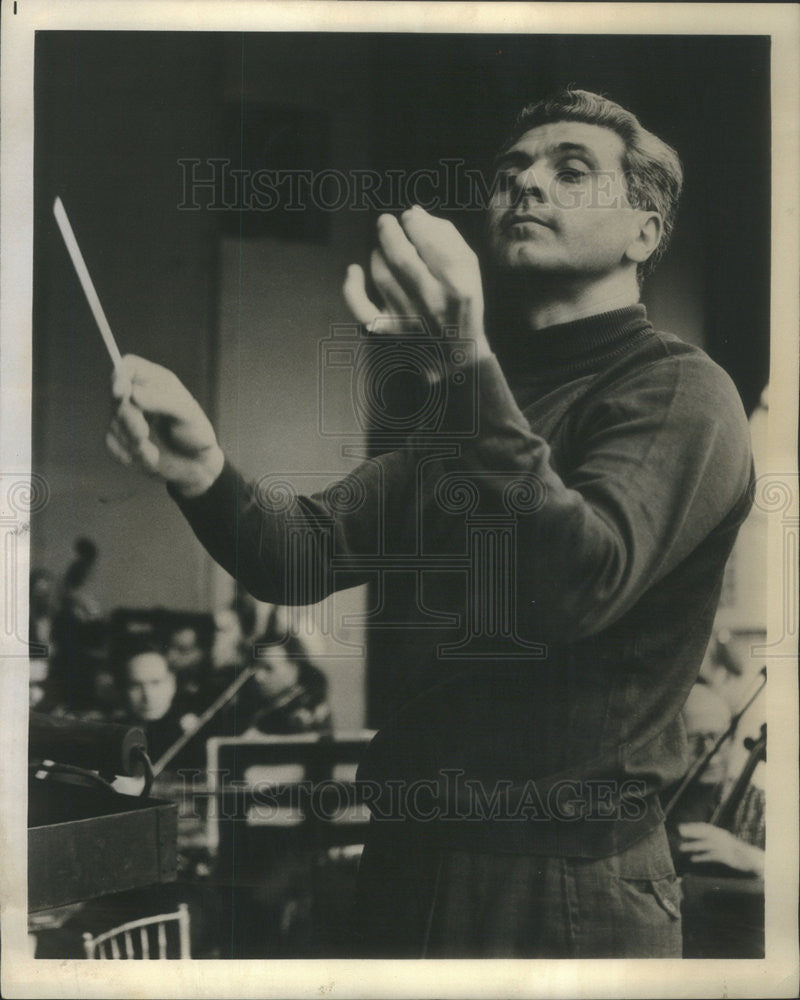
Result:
pixel 150 686
pixel 276 673
pixel 707 717
pixel 184 650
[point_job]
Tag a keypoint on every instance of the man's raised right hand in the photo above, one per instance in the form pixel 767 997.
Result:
pixel 161 428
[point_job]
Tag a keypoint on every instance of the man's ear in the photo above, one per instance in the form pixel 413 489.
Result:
pixel 646 238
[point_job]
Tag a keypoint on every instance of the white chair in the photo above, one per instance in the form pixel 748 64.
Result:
pixel 149 937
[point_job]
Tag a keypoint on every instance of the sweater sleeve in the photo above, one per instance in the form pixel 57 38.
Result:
pixel 662 460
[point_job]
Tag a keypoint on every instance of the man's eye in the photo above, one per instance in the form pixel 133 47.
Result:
pixel 571 176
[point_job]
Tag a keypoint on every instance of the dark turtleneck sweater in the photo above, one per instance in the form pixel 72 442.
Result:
pixel 573 517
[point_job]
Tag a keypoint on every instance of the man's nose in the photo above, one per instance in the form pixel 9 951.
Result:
pixel 531 183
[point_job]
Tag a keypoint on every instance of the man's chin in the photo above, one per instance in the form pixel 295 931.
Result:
pixel 522 257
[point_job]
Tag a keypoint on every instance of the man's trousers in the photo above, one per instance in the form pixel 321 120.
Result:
pixel 416 899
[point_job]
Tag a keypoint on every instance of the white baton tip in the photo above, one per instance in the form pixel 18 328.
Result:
pixel 86 281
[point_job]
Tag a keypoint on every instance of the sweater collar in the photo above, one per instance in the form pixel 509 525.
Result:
pixel 579 345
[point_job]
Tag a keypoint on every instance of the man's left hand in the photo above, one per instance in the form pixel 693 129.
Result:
pixel 707 843
pixel 422 267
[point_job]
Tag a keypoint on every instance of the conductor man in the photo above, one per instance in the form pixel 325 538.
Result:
pixel 515 800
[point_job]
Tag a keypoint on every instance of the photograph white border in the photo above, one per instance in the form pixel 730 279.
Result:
pixel 777 974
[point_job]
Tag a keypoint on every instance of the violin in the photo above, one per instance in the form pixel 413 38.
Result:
pixel 725 812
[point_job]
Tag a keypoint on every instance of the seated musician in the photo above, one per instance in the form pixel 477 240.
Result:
pixel 189 659
pixel 154 701
pixel 287 694
pixel 696 841
pixel 718 839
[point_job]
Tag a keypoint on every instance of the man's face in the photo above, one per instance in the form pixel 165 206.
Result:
pixel 706 717
pixel 150 686
pixel 276 673
pixel 559 204
pixel 184 650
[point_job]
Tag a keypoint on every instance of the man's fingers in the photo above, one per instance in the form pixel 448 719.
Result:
pixel 692 829
pixel 148 455
pixel 117 449
pixel 443 250
pixel 694 838
pixel 407 267
pixel 396 300
pixel 132 369
pixel 132 423
pixel 692 845
pixel 121 384
pixel 127 443
pixel 153 388
pixel 355 295
pixel 120 433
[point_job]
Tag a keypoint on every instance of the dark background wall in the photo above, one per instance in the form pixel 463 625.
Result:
pixel 113 114
pixel 237 302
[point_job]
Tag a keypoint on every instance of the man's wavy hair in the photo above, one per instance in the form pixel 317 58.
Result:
pixel 653 172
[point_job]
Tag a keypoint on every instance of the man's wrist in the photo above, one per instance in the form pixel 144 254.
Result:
pixel 204 474
pixel 751 859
